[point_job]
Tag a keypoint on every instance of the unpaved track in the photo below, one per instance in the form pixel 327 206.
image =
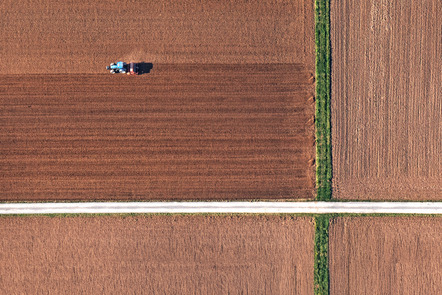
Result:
pixel 156 254
pixel 180 132
pixel 385 255
pixel 386 99
pixel 83 36
pixel 224 207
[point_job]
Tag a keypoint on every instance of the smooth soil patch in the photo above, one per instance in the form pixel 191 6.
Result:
pixel 385 255
pixel 84 36
pixel 180 132
pixel 386 99
pixel 156 254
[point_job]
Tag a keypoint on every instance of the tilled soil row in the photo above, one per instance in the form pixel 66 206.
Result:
pixel 186 132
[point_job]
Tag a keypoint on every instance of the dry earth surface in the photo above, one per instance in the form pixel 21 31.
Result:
pixel 385 255
pixel 386 99
pixel 156 255
pixel 82 36
pixel 226 112
pixel 181 132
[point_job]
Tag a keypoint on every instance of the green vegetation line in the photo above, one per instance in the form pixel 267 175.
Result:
pixel 323 142
pixel 322 118
pixel 321 276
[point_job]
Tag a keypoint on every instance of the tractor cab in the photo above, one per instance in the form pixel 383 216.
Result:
pixel 119 67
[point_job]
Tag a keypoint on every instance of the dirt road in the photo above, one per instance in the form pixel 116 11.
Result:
pixel 223 207
pixel 386 99
pixel 180 132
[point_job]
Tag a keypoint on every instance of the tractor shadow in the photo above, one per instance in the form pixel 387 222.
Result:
pixel 144 67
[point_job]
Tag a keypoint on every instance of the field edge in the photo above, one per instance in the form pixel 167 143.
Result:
pixel 321 271
pixel 323 90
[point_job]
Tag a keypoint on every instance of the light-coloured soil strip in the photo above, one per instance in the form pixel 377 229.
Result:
pixel 385 255
pixel 156 254
pixel 224 207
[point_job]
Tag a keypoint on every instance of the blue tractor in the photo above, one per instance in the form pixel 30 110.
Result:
pixel 119 67
pixel 124 68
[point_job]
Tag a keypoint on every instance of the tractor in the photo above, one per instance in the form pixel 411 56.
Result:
pixel 123 68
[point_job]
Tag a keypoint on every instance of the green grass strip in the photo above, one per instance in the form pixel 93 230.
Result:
pixel 321 277
pixel 322 118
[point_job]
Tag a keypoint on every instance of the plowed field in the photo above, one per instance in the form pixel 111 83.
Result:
pixel 181 132
pixel 156 255
pixel 226 112
pixel 386 255
pixel 386 99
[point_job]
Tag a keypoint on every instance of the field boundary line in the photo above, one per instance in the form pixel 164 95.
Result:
pixel 321 271
pixel 323 90
pixel 323 142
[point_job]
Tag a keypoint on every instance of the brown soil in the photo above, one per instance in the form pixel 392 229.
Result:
pixel 197 127
pixel 156 254
pixel 83 36
pixel 180 132
pixel 386 255
pixel 386 106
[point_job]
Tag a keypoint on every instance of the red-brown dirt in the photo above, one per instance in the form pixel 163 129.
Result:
pixel 82 36
pixel 226 113
pixel 385 255
pixel 386 99
pixel 180 132
pixel 156 255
